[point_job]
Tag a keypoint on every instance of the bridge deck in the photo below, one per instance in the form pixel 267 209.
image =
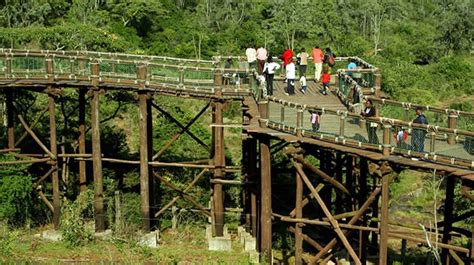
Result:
pixel 330 123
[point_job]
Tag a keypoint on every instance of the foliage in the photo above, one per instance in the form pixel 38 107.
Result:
pixel 74 219
pixel 16 188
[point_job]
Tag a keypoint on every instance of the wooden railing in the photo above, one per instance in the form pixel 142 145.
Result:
pixel 350 131
pixel 74 69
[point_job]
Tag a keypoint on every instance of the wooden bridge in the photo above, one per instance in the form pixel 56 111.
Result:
pixel 346 183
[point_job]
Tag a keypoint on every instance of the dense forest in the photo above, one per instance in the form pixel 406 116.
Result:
pixel 424 49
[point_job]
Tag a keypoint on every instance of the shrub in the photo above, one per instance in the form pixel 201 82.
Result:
pixel 16 200
pixel 74 228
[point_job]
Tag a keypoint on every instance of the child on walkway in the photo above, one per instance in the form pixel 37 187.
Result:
pixel 303 84
pixel 315 120
pixel 325 78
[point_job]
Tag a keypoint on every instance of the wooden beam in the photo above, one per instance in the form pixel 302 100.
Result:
pixel 37 140
pixel 96 151
pixel 328 214
pixel 175 199
pixel 10 119
pixel 266 200
pixel 353 220
pixel 322 174
pixel 175 121
pixel 383 251
pixel 299 215
pixel 219 164
pixel 448 216
pixel 32 125
pixel 54 153
pixel 46 201
pixel 184 195
pixel 183 130
pixel 82 139
pixel 46 175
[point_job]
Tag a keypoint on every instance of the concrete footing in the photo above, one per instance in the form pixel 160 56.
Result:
pixel 250 245
pixel 150 239
pixel 218 243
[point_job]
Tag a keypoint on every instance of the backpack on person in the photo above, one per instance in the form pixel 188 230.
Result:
pixel 331 60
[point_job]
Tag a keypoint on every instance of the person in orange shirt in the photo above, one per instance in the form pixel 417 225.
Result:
pixel 318 56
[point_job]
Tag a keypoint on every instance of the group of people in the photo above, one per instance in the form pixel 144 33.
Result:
pixel 400 135
pixel 267 67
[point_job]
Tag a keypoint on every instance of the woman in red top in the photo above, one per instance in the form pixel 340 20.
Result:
pixel 325 78
pixel 286 56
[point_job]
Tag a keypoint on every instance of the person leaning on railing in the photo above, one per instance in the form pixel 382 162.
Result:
pixel 418 135
pixel 369 111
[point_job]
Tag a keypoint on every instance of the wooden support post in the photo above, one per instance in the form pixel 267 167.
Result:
pixel 448 216
pixel 342 123
pixel 219 164
pixel 282 114
pixel 299 124
pixel 328 214
pixel 266 200
pixel 53 145
pixel 386 139
pixel 144 150
pixel 377 83
pixel 263 106
pixel 353 220
pixel 154 196
pixel 350 181
pixel 452 121
pixel 54 151
pixel 10 119
pixel 299 215
pixel 338 177
pixel 432 143
pixel 471 254
pixel 383 251
pixel 96 151
pixel 252 177
pixel 82 139
pixel 363 235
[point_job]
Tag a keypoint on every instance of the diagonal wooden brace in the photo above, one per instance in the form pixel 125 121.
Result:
pixel 328 214
pixel 184 195
pixel 37 140
pixel 183 130
pixel 173 201
pixel 353 220
pixel 170 117
pixel 32 126
pixel 320 173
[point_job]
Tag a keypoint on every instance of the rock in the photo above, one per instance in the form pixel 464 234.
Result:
pixel 149 240
pixel 104 235
pixel 52 235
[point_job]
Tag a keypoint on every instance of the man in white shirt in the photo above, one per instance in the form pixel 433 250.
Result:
pixel 269 70
pixel 251 54
pixel 290 77
pixel 261 57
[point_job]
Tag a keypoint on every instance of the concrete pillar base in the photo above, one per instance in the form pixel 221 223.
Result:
pixel 218 243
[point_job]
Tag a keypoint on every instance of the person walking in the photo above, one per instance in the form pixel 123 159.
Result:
pixel 329 57
pixel 290 77
pixel 418 135
pixel 369 111
pixel 315 120
pixel 318 56
pixel 269 69
pixel 261 59
pixel 326 79
pixel 251 54
pixel 302 61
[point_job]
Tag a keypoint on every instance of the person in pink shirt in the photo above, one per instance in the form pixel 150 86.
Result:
pixel 318 56
pixel 261 58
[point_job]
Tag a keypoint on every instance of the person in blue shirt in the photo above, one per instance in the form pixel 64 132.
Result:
pixel 352 65
pixel 418 135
